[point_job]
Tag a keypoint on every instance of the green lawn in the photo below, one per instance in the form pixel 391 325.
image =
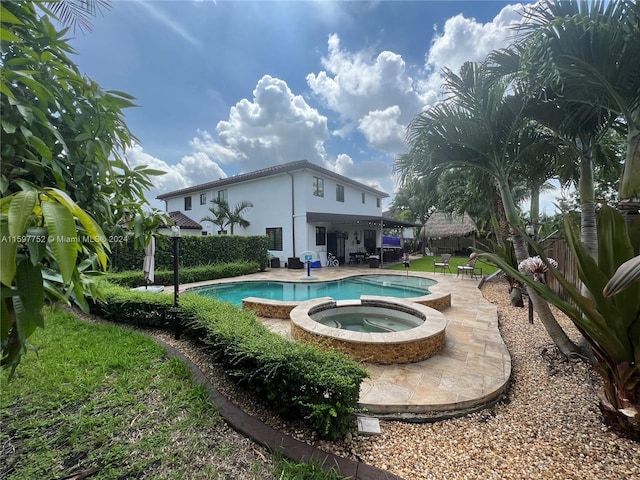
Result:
pixel 101 397
pixel 425 264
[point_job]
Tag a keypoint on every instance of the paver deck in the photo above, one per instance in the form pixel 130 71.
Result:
pixel 472 370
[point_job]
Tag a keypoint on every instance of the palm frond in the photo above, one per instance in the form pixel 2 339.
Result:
pixel 78 13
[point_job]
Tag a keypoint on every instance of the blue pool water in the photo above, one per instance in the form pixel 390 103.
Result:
pixel 348 288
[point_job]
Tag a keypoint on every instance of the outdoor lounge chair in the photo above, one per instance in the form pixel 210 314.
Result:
pixel 443 263
pixel 470 267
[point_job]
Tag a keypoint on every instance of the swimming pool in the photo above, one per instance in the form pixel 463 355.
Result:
pixel 399 286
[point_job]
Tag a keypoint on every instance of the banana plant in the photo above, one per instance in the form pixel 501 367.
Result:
pixel 609 317
pixel 49 247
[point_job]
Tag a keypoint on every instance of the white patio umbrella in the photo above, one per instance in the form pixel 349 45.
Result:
pixel 149 261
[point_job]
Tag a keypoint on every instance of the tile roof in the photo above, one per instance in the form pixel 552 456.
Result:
pixel 182 221
pixel 267 172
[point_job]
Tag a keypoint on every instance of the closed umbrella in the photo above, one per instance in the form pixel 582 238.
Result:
pixel 149 261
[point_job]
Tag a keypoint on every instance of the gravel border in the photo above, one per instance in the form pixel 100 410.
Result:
pixel 549 426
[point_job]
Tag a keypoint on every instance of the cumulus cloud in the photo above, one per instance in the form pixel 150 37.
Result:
pixel 274 127
pixel 191 170
pixel 375 173
pixel 362 88
pixel 464 39
pixel 384 129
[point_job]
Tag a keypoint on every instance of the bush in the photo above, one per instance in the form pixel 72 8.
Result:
pixel 300 381
pixel 187 275
pixel 195 251
pixel 145 309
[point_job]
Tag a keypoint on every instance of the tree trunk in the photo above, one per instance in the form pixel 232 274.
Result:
pixel 588 223
pixel 503 224
pixel 586 189
pixel 561 339
pixel 629 195
pixel 534 211
pixel 564 343
pixel 630 182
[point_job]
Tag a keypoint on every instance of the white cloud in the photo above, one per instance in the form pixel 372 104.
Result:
pixel 383 129
pixel 464 39
pixel 362 89
pixel 375 173
pixel 274 127
pixel 191 170
pixel 373 94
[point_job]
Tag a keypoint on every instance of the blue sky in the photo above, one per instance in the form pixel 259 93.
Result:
pixel 233 86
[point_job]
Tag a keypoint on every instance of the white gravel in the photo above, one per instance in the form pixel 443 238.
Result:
pixel 548 428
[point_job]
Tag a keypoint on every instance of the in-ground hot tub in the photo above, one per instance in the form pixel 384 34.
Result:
pixel 374 329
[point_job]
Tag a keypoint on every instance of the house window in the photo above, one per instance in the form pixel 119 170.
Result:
pixel 203 199
pixel 318 186
pixel 378 202
pixel 321 235
pixel 187 203
pixel 205 233
pixel 275 238
pixel 362 197
pixel 339 193
pixel 223 195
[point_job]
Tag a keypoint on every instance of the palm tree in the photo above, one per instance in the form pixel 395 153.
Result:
pixel 220 213
pixel 235 216
pixel 578 128
pixel 481 126
pixel 418 195
pixel 224 216
pixel 588 53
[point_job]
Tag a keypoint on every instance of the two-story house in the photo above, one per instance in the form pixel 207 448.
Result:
pixel 300 206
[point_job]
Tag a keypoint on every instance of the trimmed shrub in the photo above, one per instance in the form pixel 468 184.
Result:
pixel 144 309
pixel 300 381
pixel 195 251
pixel 187 275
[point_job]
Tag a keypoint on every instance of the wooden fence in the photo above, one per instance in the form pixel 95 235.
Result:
pixel 557 249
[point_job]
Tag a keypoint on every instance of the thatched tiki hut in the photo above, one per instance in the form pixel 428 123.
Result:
pixel 447 233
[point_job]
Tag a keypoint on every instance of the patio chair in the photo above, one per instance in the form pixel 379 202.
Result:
pixel 470 267
pixel 443 263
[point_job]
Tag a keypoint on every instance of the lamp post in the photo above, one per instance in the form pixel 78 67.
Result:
pixel 530 231
pixel 175 235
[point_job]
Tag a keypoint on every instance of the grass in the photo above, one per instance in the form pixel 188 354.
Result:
pixel 288 470
pixel 102 399
pixel 425 264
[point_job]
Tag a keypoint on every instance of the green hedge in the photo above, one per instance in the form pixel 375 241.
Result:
pixel 195 251
pixel 187 275
pixel 299 381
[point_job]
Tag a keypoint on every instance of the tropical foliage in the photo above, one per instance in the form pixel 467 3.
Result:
pixel 587 53
pixel 481 126
pixel 554 105
pixel 609 317
pixel 224 216
pixel 65 184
